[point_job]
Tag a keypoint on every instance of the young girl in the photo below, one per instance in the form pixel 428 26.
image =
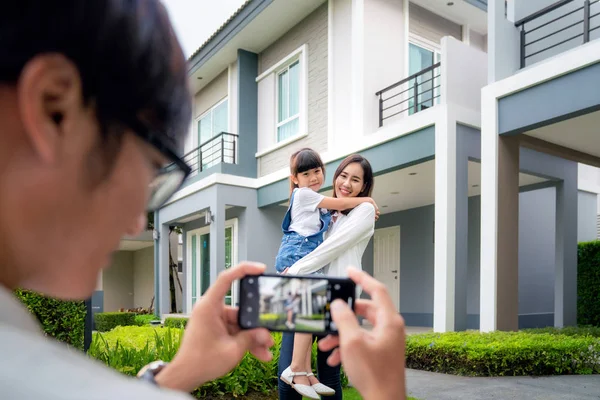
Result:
pixel 304 224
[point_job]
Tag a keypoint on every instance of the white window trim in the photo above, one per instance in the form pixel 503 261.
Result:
pixel 205 113
pixel 230 223
pixel 301 54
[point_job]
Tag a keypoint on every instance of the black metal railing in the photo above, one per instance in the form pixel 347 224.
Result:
pixel 411 95
pixel 216 150
pixel 575 27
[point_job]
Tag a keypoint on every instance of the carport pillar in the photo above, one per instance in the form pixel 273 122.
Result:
pixel 163 298
pixel 565 281
pixel 217 237
pixel 451 227
pixel 499 285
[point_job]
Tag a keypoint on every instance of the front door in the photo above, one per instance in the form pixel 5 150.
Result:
pixel 386 266
pixel 199 261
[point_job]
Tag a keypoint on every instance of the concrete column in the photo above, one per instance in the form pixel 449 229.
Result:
pixel 445 224
pixel 163 300
pixel 499 298
pixel 217 237
pixel 461 233
pixel 565 283
pixel 503 41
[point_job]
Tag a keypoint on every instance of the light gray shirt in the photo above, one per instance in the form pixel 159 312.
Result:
pixel 33 366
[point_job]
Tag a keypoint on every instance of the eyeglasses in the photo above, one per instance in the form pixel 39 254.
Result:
pixel 169 178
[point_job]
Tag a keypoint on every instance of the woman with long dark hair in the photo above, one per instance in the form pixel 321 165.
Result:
pixel 344 246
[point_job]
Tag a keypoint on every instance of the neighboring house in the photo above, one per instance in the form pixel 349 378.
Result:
pixel 542 95
pixel 401 83
pixel 129 281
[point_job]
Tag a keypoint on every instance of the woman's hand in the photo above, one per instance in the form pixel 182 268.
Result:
pixel 373 360
pixel 376 208
pixel 213 343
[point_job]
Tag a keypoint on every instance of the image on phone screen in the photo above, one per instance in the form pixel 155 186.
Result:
pixel 297 304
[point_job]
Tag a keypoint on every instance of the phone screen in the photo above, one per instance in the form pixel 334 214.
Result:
pixel 296 304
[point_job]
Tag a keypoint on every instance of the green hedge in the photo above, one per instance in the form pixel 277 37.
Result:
pixel 109 320
pixel 128 349
pixel 505 353
pixel 64 320
pixel 145 319
pixel 175 322
pixel 588 283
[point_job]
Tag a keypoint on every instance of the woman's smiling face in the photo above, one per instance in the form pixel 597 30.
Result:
pixel 350 181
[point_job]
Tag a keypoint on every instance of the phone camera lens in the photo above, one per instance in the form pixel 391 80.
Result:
pixel 250 295
pixel 336 286
pixel 249 309
pixel 248 323
pixel 251 281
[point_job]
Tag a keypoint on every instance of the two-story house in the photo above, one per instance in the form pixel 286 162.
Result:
pixel 401 83
pixel 542 96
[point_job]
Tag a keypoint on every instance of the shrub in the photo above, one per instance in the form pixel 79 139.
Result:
pixel 145 319
pixel 504 353
pixel 128 349
pixel 109 320
pixel 175 322
pixel 63 320
pixel 588 283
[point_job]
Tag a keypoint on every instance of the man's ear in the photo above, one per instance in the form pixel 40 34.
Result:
pixel 49 95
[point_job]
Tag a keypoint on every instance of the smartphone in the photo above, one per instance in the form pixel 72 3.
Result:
pixel 292 303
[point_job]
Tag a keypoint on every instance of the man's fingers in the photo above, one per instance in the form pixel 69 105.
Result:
pixel 372 286
pixel 335 358
pixel 262 353
pixel 366 308
pixel 247 340
pixel 329 342
pixel 345 319
pixel 219 289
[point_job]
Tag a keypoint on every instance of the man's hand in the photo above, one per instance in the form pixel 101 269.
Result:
pixel 374 361
pixel 213 343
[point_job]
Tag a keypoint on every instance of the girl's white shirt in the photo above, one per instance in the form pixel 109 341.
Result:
pixel 344 245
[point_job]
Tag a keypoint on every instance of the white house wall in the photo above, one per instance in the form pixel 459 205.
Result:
pixel 312 32
pixel 117 282
pixel 143 277
pixel 211 94
pixel 430 26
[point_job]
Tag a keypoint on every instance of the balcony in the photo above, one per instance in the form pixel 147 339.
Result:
pixel 557 28
pixel 415 93
pixel 220 149
pixel 456 78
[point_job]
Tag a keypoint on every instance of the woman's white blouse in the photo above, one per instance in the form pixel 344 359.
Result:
pixel 344 245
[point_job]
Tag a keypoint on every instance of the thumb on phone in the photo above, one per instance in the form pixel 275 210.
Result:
pixel 344 318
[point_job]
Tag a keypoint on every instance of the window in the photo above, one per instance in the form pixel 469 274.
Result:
pixel 288 101
pixel 419 58
pixel 211 124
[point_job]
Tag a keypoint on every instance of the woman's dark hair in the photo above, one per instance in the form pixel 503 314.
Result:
pixel 129 60
pixel 368 179
pixel 303 160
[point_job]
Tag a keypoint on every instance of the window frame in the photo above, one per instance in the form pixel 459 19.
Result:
pixel 210 111
pixel 286 68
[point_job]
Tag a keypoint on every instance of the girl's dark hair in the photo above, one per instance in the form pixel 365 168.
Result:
pixel 128 57
pixel 368 179
pixel 303 160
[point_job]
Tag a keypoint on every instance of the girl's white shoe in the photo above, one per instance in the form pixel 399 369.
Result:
pixel 321 389
pixel 305 390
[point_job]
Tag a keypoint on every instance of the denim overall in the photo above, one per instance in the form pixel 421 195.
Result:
pixel 295 246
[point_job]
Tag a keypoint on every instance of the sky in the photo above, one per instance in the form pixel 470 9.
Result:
pixel 195 20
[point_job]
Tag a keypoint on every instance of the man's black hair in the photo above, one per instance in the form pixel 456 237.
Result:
pixel 130 63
